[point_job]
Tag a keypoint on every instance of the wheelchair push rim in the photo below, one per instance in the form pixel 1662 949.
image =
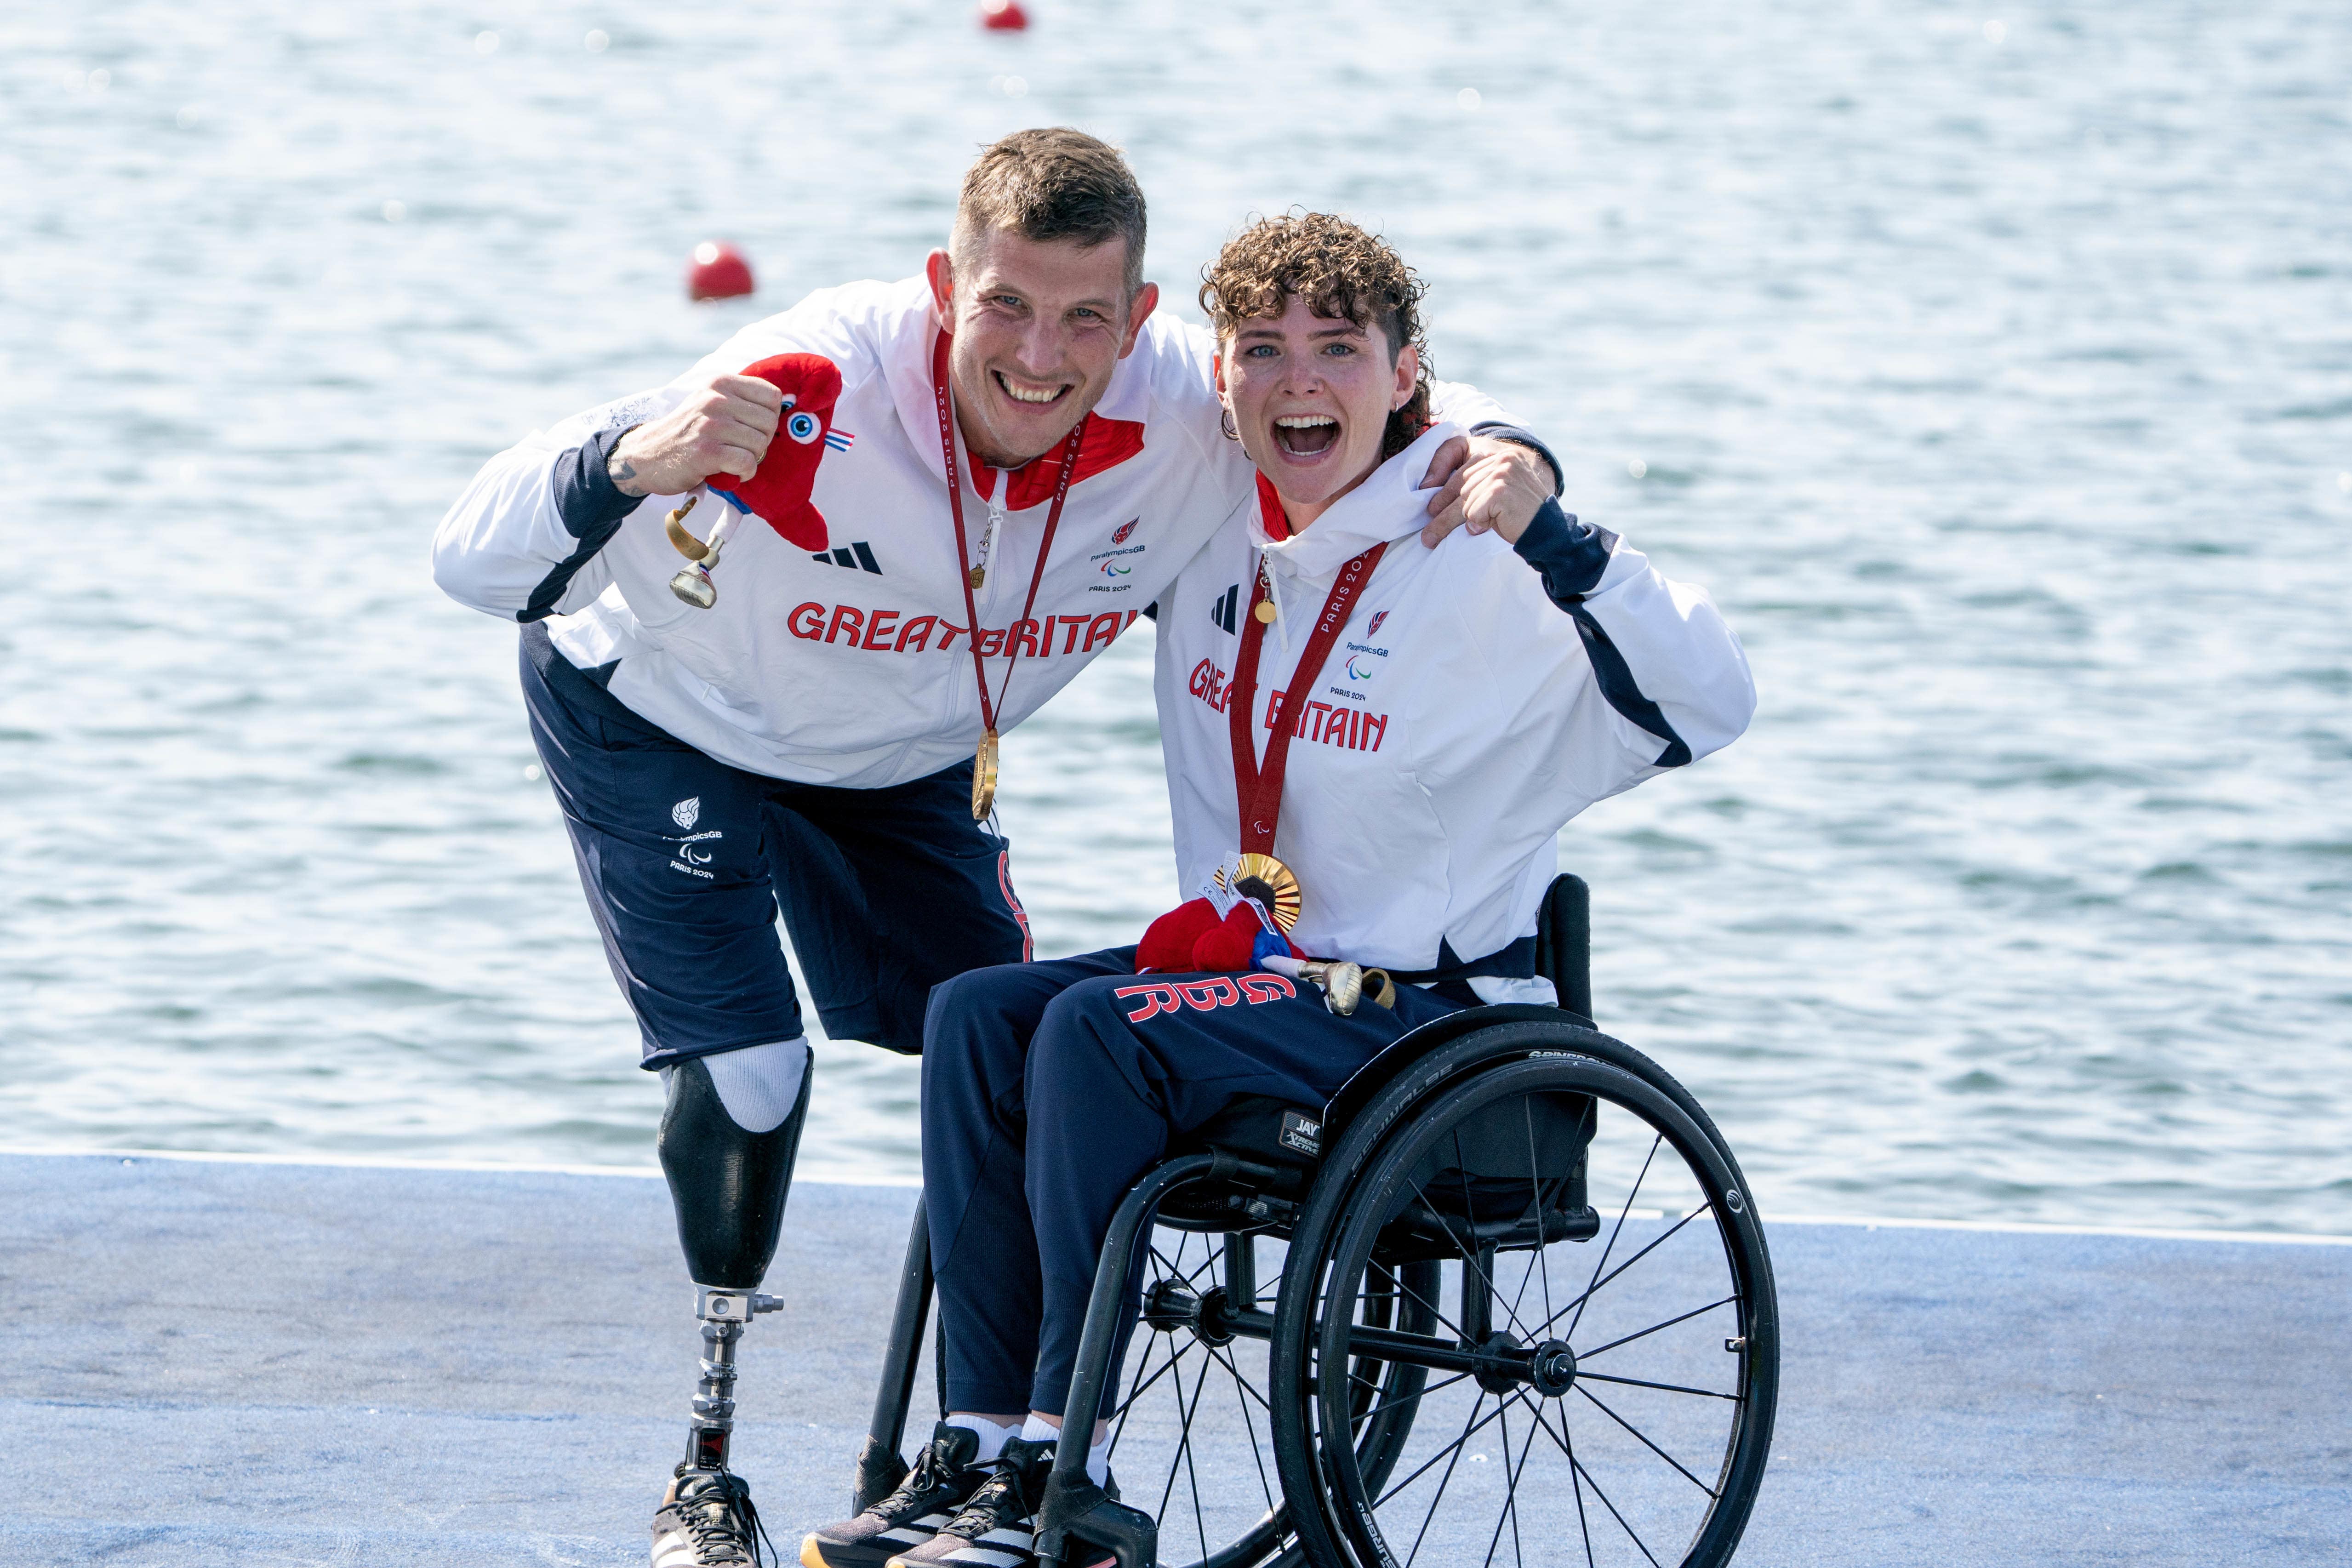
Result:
pixel 1600 1385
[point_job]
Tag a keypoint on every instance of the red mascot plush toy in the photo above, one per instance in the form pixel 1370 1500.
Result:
pixel 1192 938
pixel 779 491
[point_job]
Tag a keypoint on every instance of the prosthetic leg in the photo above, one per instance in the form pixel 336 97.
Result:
pixel 728 1186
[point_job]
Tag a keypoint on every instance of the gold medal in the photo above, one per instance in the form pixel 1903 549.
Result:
pixel 1265 611
pixel 976 576
pixel 983 778
pixel 1269 882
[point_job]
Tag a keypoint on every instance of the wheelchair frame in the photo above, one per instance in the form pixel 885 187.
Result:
pixel 1079 1524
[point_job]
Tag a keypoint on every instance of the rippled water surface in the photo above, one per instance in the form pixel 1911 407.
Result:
pixel 1993 369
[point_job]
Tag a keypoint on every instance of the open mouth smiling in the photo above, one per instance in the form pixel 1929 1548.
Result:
pixel 1030 396
pixel 1307 436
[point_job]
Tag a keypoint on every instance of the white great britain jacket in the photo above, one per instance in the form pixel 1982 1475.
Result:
pixel 852 666
pixel 1477 698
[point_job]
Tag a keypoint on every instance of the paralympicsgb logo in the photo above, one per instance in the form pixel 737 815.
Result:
pixel 686 812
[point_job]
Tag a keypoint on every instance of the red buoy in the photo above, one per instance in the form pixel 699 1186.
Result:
pixel 1002 16
pixel 718 271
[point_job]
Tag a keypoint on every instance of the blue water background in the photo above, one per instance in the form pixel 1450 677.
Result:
pixel 1992 365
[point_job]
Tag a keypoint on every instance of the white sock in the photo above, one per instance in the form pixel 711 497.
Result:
pixel 1036 1430
pixel 993 1437
pixel 759 1085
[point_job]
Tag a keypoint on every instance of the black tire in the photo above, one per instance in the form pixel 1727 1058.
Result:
pixel 1633 1474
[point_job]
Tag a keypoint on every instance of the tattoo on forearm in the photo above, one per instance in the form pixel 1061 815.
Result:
pixel 623 472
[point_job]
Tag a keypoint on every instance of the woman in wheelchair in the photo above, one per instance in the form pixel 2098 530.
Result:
pixel 1370 745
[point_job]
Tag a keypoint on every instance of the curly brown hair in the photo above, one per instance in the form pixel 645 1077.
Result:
pixel 1342 272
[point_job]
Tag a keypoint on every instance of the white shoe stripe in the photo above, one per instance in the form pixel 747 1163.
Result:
pixel 913 1537
pixel 983 1557
pixel 1010 1534
pixel 673 1551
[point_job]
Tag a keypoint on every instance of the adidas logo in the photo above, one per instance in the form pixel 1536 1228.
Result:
pixel 856 555
pixel 1225 609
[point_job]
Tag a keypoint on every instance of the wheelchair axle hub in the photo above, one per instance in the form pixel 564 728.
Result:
pixel 1501 1363
pixel 1555 1368
pixel 1173 1305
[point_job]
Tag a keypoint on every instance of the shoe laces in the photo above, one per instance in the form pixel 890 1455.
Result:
pixel 998 1495
pixel 929 1474
pixel 729 1519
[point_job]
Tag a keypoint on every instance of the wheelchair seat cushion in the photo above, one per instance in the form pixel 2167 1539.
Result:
pixel 1267 1128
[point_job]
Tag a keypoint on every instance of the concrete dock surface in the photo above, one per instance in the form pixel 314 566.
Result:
pixel 217 1362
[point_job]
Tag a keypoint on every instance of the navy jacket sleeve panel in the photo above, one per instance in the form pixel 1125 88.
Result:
pixel 1495 430
pixel 591 508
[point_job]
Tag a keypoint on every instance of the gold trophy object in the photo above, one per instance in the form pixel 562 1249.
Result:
pixel 693 583
pixel 1345 987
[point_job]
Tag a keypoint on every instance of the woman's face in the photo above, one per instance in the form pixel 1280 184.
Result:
pixel 1311 397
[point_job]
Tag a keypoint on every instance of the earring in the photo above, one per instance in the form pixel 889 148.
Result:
pixel 1225 423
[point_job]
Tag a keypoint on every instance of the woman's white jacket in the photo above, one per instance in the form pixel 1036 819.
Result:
pixel 1479 696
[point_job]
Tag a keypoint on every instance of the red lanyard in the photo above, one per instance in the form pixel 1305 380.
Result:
pixel 963 557
pixel 1258 788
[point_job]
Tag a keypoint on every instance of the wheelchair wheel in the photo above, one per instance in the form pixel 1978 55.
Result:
pixel 1192 1432
pixel 1600 1369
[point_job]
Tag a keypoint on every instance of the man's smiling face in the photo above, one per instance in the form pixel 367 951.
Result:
pixel 1039 325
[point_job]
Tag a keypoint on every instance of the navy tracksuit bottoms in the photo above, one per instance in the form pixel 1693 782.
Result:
pixel 1047 1089
pixel 686 861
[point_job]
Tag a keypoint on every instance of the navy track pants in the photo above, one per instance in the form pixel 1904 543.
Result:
pixel 686 860
pixel 1047 1089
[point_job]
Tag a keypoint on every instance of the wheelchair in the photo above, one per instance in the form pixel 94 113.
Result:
pixel 1507 1294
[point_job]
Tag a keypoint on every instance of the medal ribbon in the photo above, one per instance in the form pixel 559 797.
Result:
pixel 963 557
pixel 1258 786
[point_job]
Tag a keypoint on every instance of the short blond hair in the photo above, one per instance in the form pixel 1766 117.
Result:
pixel 1049 183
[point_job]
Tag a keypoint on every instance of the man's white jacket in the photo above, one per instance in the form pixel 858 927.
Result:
pixel 852 665
pixel 1478 697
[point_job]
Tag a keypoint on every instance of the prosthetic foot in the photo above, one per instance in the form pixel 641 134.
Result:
pixel 728 1183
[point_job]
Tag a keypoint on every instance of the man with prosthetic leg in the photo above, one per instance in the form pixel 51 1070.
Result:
pixel 909 514
pixel 730 1168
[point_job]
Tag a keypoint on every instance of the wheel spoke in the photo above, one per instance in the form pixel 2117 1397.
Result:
pixel 1670 1387
pixel 1434 1310
pixel 1535 1204
pixel 1570 1333
pixel 1467 1433
pixel 1443 1481
pixel 1510 1494
pixel 1613 1344
pixel 1182 1457
pixel 1248 1424
pixel 1470 1252
pixel 1566 1446
pixel 1647 1444
pixel 1426 1389
pixel 1175 1354
pixel 1192 1472
pixel 1577 1467
pixel 1245 1382
pixel 1127 1406
pixel 1614 1231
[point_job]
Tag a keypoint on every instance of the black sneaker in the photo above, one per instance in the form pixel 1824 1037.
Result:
pixel 945 1475
pixel 997 1528
pixel 707 1521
